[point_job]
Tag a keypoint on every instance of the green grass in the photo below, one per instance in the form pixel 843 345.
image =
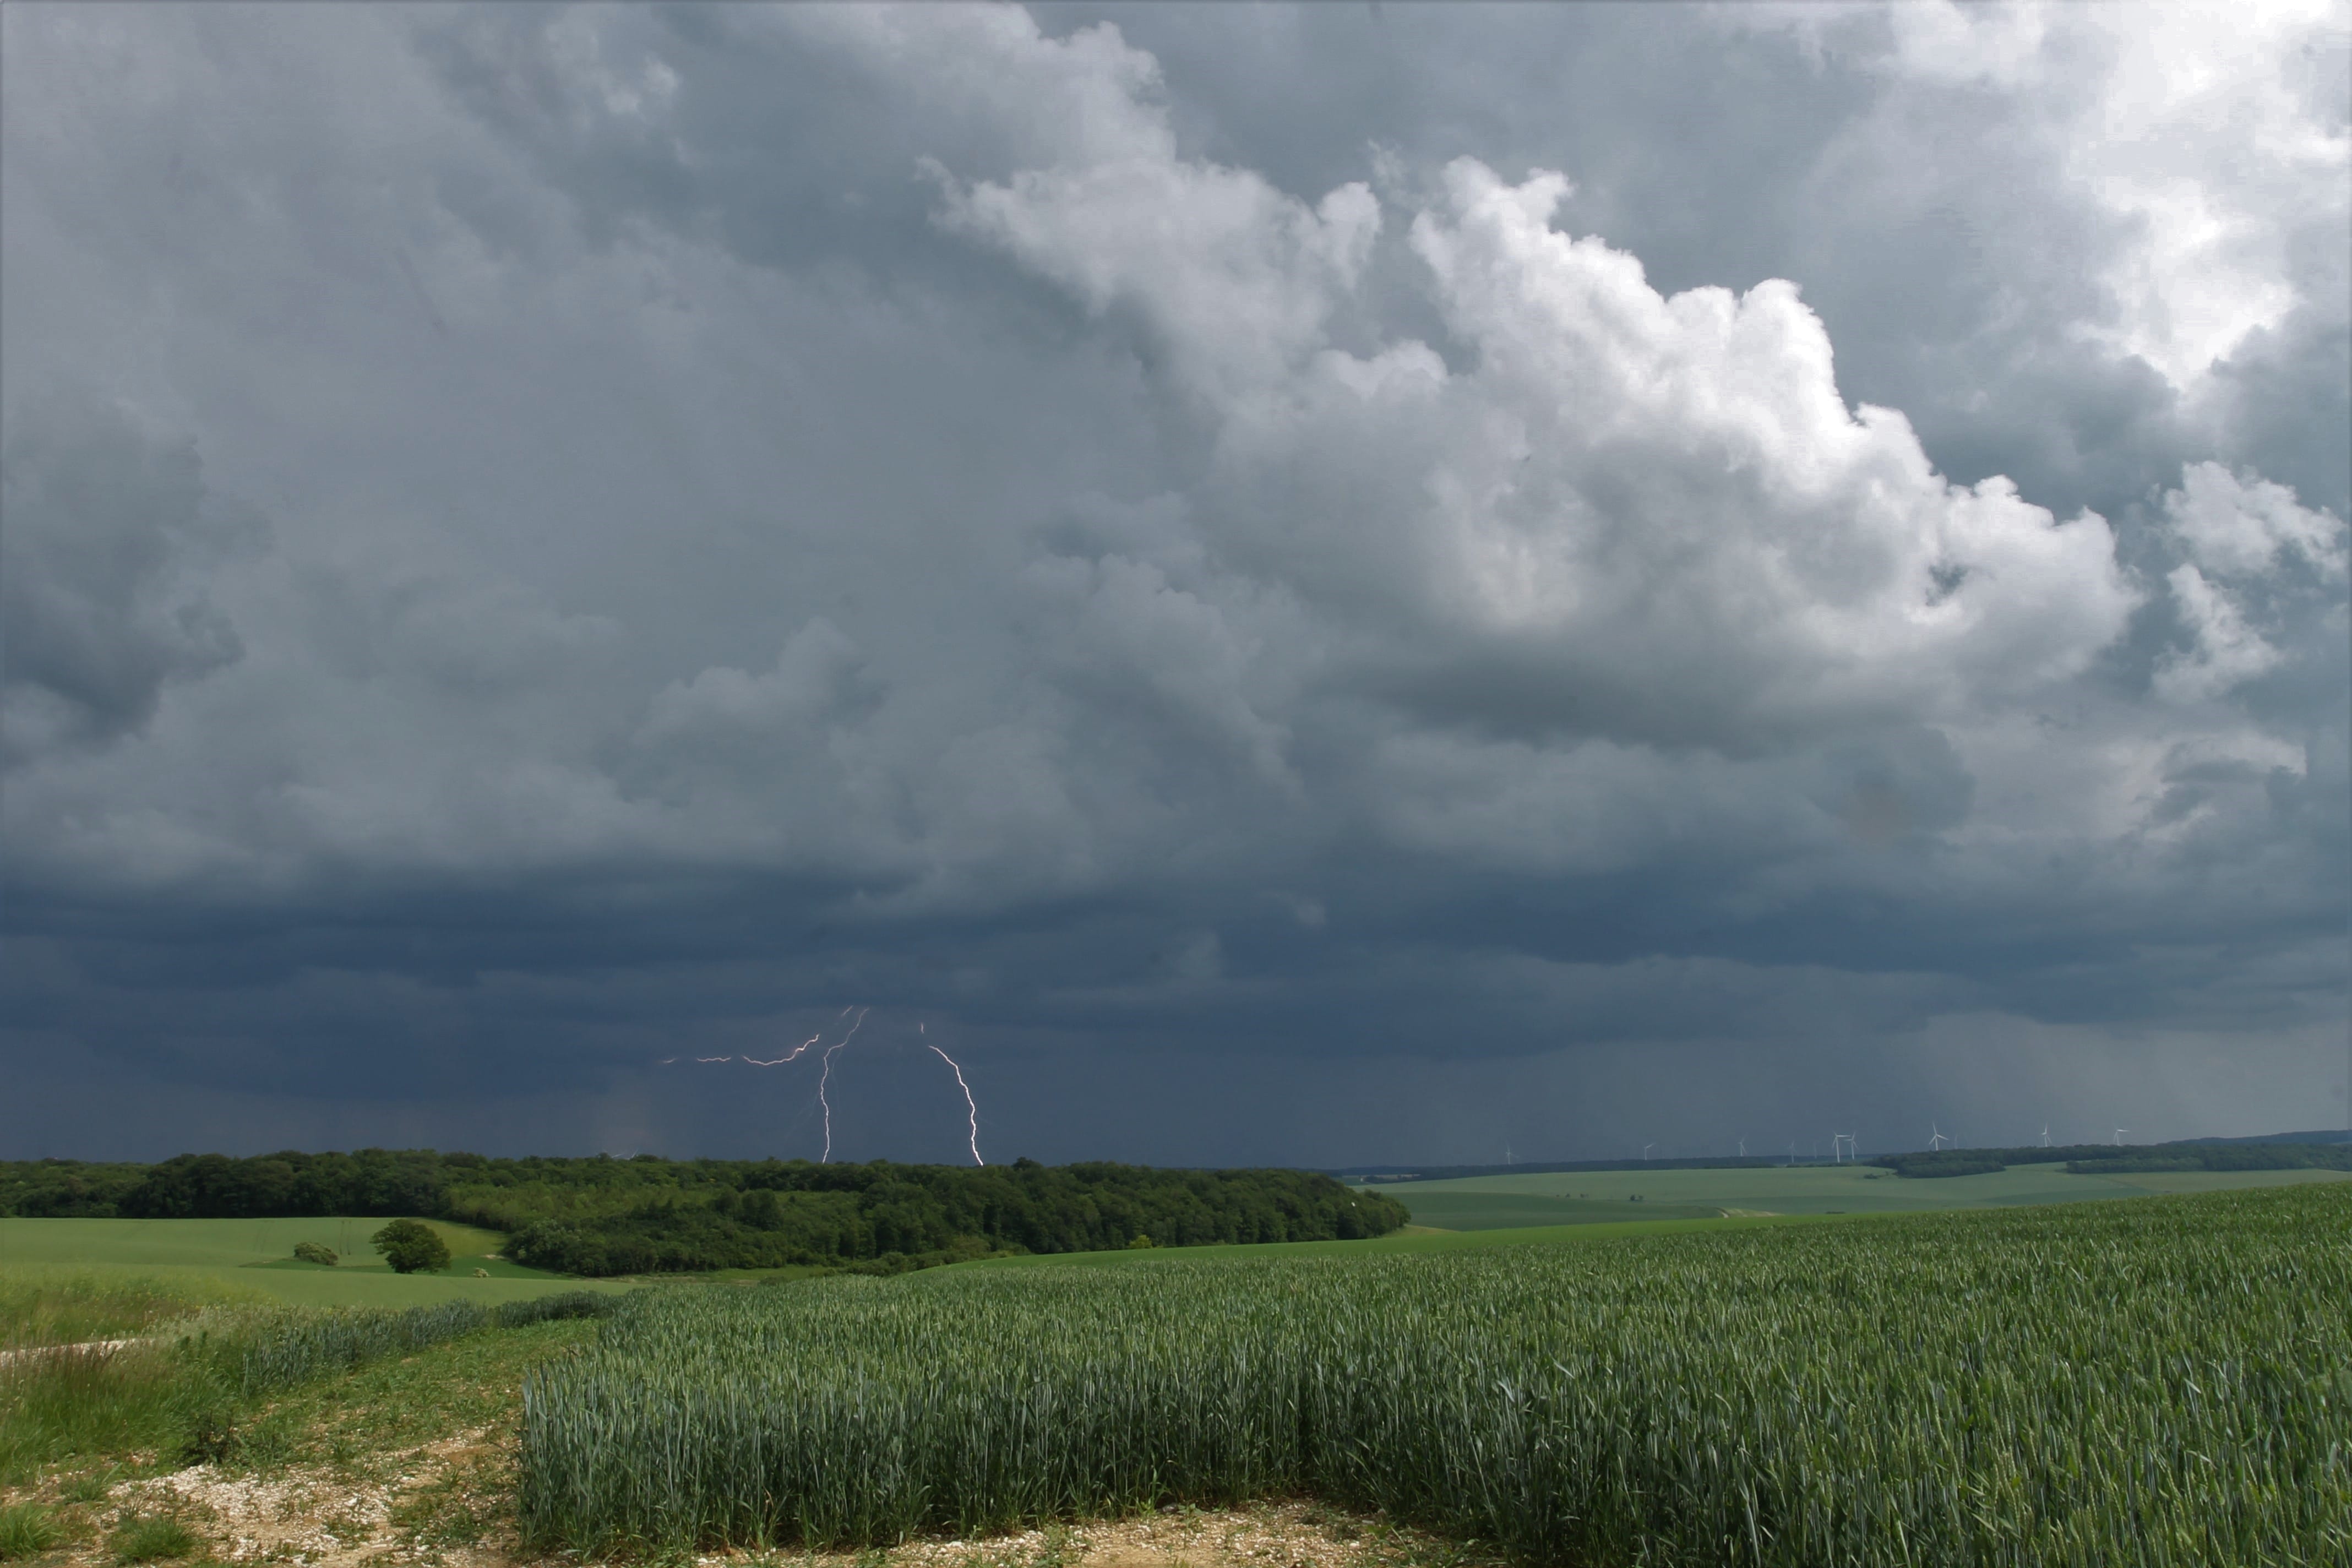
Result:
pixel 68 1403
pixel 2161 1382
pixel 216 1243
pixel 152 1539
pixel 51 1305
pixel 191 1396
pixel 213 1242
pixel 1404 1243
pixel 1507 1211
pixel 1571 1198
pixel 363 1423
pixel 28 1530
pixel 214 1258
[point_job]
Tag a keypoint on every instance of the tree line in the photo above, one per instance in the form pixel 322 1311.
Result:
pixel 602 1217
pixel 2112 1160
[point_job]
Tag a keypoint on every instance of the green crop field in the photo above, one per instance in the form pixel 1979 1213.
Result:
pixel 257 1255
pixel 1583 1197
pixel 1413 1242
pixel 2155 1383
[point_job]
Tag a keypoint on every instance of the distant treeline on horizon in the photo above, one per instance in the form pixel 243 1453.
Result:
pixel 601 1215
pixel 2293 1151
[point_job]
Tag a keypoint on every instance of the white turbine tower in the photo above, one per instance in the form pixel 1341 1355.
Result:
pixel 1645 1150
pixel 2045 1135
pixel 1743 1147
pixel 2120 1136
pixel 1936 1139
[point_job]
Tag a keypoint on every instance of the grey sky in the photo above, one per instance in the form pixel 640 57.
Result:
pixel 1305 585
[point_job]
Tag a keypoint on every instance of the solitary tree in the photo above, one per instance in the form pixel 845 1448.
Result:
pixel 410 1246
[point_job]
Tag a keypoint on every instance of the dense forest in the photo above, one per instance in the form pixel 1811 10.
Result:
pixel 648 1214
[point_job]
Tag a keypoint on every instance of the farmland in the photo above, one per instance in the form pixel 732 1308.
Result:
pixel 204 1259
pixel 2158 1382
pixel 646 1215
pixel 1584 1197
pixel 2152 1381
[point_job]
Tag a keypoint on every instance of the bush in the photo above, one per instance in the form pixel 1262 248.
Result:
pixel 313 1252
pixel 412 1247
pixel 212 1436
pixel 26 1530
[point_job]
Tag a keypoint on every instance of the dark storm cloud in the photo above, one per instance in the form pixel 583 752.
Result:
pixel 100 577
pixel 543 540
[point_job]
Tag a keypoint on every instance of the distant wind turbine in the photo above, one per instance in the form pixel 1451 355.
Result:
pixel 1645 1150
pixel 2045 1135
pixel 2120 1135
pixel 1936 1139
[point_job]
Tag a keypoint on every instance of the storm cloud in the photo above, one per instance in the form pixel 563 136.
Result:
pixel 1306 586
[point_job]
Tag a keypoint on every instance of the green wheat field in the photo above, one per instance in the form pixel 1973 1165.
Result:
pixel 2159 1382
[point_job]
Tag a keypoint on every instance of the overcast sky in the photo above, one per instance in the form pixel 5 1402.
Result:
pixel 1322 585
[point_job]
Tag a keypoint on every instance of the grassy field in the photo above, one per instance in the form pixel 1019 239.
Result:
pixel 1573 1197
pixel 237 1257
pixel 57 1305
pixel 2153 1383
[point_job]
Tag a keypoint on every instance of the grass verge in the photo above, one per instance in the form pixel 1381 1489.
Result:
pixel 52 1306
pixel 192 1398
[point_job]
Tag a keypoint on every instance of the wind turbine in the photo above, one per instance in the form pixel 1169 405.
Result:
pixel 2045 1135
pixel 1645 1150
pixel 1843 1142
pixel 1936 1140
pixel 2120 1136
pixel 1743 1147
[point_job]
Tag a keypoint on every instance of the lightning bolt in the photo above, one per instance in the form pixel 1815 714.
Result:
pixel 792 1055
pixel 825 1077
pixel 970 1105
